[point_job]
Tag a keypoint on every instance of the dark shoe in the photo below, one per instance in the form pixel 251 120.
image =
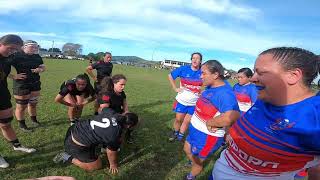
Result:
pixel 188 164
pixel 130 140
pixel 172 137
pixel 190 177
pixel 26 129
pixel 35 123
pixel 61 157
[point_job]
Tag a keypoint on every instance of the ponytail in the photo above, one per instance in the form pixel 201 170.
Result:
pixel 106 86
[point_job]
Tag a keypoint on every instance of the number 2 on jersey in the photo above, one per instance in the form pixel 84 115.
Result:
pixel 104 124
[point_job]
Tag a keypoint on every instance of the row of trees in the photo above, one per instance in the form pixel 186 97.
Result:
pixel 68 49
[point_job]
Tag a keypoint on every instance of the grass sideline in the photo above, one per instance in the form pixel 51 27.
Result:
pixel 148 94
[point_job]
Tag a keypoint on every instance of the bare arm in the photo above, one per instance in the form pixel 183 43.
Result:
pixel 88 100
pixel 223 120
pixel 104 105
pixel 20 76
pixel 314 173
pixel 59 99
pixel 112 158
pixel 39 69
pixel 173 84
pixel 42 68
pixel 90 72
pixel 125 106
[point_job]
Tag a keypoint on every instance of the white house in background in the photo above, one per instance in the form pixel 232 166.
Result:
pixel 172 64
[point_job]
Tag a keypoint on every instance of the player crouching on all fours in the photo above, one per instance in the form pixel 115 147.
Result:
pixel 83 137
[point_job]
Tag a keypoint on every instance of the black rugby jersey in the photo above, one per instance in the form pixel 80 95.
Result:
pixel 102 129
pixel 103 69
pixel 69 87
pixel 115 100
pixel 5 69
pixel 23 63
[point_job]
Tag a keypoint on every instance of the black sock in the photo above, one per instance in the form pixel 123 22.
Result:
pixel 15 143
pixel 70 159
pixel 34 118
pixel 74 120
pixel 22 124
pixel 96 113
pixel 128 133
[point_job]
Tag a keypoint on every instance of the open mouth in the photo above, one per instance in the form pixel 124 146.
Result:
pixel 259 87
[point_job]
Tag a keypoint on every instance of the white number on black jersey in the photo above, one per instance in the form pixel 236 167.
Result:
pixel 104 124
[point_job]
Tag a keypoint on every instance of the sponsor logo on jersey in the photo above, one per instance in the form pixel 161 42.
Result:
pixel 281 124
pixel 250 159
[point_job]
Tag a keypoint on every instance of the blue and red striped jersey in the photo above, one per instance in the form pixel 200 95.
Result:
pixel 271 140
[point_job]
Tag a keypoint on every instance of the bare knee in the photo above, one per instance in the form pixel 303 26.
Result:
pixel 88 166
pixel 187 148
pixel 21 107
pixel 5 126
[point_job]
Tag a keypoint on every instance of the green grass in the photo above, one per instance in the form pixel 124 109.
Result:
pixel 148 94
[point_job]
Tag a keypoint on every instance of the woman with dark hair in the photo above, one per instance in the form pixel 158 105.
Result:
pixel 27 91
pixel 112 96
pixel 104 69
pixel 83 138
pixel 279 135
pixel 75 94
pixel 216 103
pixel 8 45
pixel 245 91
pixel 188 94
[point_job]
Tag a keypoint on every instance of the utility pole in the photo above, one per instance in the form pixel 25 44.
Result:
pixel 52 46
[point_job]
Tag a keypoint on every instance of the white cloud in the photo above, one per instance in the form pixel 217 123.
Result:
pixel 242 59
pixel 152 22
pixel 31 34
pixel 225 7
pixel 9 6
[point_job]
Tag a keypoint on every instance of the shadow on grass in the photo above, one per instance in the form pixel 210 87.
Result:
pixel 155 153
pixel 151 151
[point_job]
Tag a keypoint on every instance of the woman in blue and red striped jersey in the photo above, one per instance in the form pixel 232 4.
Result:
pixel 279 135
pixel 245 91
pixel 188 94
pixel 217 102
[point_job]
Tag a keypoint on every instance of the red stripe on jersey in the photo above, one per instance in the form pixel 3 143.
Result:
pixel 210 143
pixel 268 137
pixel 194 86
pixel 174 104
pixel 106 98
pixel 263 158
pixel 205 110
pixel 273 151
pixel 236 158
pixel 243 98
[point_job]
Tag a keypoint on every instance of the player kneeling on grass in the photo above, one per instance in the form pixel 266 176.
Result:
pixel 74 93
pixel 83 138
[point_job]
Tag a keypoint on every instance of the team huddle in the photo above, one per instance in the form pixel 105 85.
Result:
pixel 266 125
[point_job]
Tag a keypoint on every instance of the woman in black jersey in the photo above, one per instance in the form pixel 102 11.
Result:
pixel 75 94
pixel 83 138
pixel 112 96
pixel 8 45
pixel 27 91
pixel 104 69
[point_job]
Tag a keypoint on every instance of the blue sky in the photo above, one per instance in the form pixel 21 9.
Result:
pixel 231 31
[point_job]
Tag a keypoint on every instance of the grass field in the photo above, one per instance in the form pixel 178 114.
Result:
pixel 148 94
